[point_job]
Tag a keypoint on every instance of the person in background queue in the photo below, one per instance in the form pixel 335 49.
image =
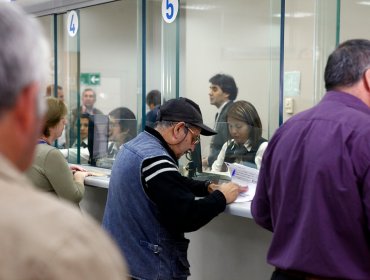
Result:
pixel 50 92
pixel 153 100
pixel 88 100
pixel 50 171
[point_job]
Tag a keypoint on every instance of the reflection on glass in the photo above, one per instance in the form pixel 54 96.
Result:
pixel 122 129
pixel 223 91
pixel 153 100
pixel 81 143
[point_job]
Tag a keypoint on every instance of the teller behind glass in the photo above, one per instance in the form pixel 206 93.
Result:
pixel 123 128
pixel 246 145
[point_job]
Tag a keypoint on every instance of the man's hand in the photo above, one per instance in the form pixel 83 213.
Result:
pixel 231 191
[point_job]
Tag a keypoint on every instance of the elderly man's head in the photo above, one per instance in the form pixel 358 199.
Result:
pixel 180 123
pixel 24 56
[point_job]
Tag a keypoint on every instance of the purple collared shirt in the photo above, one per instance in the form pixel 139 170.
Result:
pixel 313 190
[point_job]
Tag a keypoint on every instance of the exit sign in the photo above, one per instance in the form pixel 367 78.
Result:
pixel 90 79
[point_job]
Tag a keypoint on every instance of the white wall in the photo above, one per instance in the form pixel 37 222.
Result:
pixel 109 46
pixel 231 37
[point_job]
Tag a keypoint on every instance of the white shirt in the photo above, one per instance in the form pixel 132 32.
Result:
pixel 71 153
pixel 217 164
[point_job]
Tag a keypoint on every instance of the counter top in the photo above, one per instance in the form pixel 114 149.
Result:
pixel 242 209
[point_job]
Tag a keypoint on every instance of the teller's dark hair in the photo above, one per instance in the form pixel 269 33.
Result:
pixel 244 111
pixel 226 83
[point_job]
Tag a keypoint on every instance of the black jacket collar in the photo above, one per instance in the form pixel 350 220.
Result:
pixel 157 135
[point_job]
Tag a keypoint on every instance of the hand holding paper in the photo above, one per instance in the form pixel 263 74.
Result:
pixel 244 176
pixel 231 191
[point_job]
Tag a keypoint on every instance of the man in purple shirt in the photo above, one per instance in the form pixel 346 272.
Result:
pixel 313 190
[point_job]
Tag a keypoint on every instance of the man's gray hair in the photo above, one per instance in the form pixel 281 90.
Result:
pixel 165 124
pixel 24 55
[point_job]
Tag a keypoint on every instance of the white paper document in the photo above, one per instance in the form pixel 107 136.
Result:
pixel 244 176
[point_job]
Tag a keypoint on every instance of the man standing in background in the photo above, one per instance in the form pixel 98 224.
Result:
pixel 41 237
pixel 88 99
pixel 153 100
pixel 50 92
pixel 62 140
pixel 223 92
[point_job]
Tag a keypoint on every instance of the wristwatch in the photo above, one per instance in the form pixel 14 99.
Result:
pixel 208 185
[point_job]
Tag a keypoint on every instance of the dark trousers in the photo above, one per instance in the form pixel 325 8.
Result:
pixel 280 274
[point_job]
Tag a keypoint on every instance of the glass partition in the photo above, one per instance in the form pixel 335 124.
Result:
pixel 124 49
pixel 109 69
pixel 310 36
pixel 353 19
pixel 97 68
pixel 237 38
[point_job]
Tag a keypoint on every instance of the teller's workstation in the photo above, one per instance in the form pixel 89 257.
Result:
pixel 233 233
pixel 229 246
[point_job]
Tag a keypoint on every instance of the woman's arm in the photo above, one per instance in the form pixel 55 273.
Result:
pixel 217 164
pixel 60 177
pixel 259 154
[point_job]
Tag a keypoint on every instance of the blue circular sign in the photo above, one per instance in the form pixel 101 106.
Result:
pixel 169 10
pixel 72 23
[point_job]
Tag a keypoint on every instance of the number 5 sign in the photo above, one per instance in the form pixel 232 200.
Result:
pixel 72 23
pixel 169 10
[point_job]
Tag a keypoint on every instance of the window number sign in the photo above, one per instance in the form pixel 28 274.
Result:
pixel 169 10
pixel 72 23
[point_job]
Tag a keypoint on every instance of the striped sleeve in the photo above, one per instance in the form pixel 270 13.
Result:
pixel 157 165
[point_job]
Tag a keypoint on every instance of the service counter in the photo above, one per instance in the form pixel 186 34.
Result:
pixel 230 247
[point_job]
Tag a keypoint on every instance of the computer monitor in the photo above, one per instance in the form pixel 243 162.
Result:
pixel 98 137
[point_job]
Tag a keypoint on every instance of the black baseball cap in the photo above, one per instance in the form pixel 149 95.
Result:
pixel 184 110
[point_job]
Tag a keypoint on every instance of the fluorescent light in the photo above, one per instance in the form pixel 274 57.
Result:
pixel 295 15
pixel 367 3
pixel 200 7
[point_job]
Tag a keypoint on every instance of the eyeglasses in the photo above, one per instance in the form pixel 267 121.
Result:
pixel 196 138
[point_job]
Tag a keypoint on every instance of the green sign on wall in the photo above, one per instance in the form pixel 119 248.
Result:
pixel 90 79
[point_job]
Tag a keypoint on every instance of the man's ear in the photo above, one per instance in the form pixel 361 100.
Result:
pixel 26 125
pixel 366 97
pixel 176 134
pixel 178 131
pixel 26 107
pixel 367 79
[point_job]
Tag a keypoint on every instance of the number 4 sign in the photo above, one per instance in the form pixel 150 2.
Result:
pixel 72 23
pixel 169 10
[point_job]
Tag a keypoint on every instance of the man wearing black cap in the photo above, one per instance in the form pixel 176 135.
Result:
pixel 151 205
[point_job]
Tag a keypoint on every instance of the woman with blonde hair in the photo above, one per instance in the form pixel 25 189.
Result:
pixel 50 171
pixel 247 144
